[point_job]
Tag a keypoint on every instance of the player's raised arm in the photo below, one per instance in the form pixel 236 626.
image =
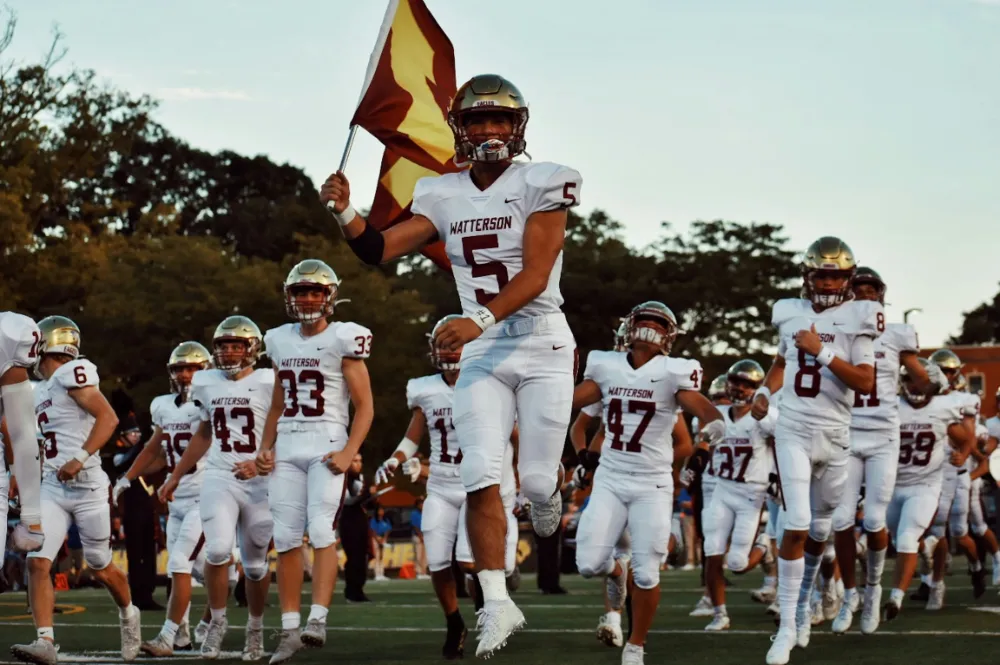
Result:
pixel 372 246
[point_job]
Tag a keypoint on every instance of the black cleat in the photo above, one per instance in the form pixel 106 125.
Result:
pixel 890 611
pixel 923 593
pixel 454 642
pixel 978 582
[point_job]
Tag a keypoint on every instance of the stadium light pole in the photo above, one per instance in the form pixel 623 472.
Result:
pixel 906 314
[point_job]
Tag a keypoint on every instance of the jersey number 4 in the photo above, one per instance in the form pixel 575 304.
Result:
pixel 221 426
pixel 291 385
pixel 617 428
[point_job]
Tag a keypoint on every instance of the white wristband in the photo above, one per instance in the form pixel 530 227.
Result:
pixel 484 318
pixel 763 390
pixel 81 456
pixel 825 356
pixel 346 217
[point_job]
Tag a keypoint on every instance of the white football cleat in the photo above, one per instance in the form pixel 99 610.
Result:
pixel 936 600
pixel 200 631
pixel 704 608
pixel 632 654
pixel 766 594
pixel 719 622
pixel 253 647
pixel 289 641
pixel 497 621
pixel 130 628
pixel 211 646
pixel 816 616
pixel 41 652
pixel 870 615
pixel 831 601
pixel 158 647
pixel 845 617
pixel 803 625
pixel 314 634
pixel 781 647
pixel 774 609
pixel 182 638
pixel 545 515
pixel 609 629
pixel 618 586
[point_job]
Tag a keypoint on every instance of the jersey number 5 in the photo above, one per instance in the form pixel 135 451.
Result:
pixel 489 241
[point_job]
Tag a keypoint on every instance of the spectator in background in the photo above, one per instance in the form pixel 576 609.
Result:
pixel 419 553
pixel 353 532
pixel 138 519
pixel 380 527
pixel 691 545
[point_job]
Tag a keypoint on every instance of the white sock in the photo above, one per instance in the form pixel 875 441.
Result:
pixel 770 581
pixel 790 573
pixel 849 595
pixel 996 560
pixel 976 566
pixel 936 583
pixel 614 618
pixel 809 573
pixel 318 612
pixel 876 562
pixel 896 596
pixel 494 585
pixel 46 633
pixel 169 631
pixel 927 579
pixel 127 611
pixel 290 620
pixel 720 610
pixel 255 623
pixel 219 615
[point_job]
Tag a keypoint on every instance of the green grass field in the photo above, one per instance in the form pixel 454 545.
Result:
pixel 404 626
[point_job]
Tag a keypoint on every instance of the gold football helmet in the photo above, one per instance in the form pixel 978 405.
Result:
pixel 444 360
pixel 654 323
pixel 828 257
pixel 488 93
pixel 717 389
pixel 915 397
pixel 742 381
pixel 59 335
pixel 951 365
pixel 311 273
pixel 237 329
pixel 186 354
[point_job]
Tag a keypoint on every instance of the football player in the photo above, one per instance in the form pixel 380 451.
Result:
pixel 743 462
pixel 825 355
pixel 503 225
pixel 310 440
pixel 233 400
pixel 874 455
pixel 926 426
pixel 19 344
pixel 430 399
pixel 633 486
pixel 953 507
pixel 76 420
pixel 979 461
pixel 175 420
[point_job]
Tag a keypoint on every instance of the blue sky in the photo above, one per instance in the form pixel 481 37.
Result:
pixel 874 120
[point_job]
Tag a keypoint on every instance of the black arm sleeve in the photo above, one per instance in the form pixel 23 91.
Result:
pixel 368 246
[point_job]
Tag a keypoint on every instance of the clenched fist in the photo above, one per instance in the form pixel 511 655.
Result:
pixel 336 192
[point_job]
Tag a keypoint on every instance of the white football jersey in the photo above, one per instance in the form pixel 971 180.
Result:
pixel 970 402
pixel 178 421
pixel 236 411
pixel 880 410
pixel 923 434
pixel 434 397
pixel 744 455
pixel 19 339
pixel 640 408
pixel 64 424
pixel 311 370
pixel 483 231
pixel 813 395
pixel 993 426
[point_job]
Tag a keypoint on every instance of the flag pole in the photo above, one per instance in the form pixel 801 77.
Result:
pixel 347 148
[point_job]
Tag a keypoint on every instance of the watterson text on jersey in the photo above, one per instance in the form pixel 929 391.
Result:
pixel 231 401
pixel 641 393
pixel 300 362
pixel 481 224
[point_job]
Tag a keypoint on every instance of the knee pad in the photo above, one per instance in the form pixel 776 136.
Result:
pixel 321 535
pixel 478 471
pixel 256 572
pixel 980 529
pixel 938 531
pixel 97 558
pixel 179 563
pixel 958 527
pixel 908 540
pixel 875 512
pixel 646 571
pixel 590 566
pixel 820 528
pixel 737 561
pixel 538 480
pixel 216 555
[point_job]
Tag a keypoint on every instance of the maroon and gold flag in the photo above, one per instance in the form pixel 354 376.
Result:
pixel 404 104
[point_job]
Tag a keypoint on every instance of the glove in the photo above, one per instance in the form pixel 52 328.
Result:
pixel 588 460
pixel 411 467
pixel 580 477
pixel 937 378
pixel 386 471
pixel 123 484
pixel 712 432
pixel 687 477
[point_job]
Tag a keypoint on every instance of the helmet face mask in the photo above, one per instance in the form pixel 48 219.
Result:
pixel 60 336
pixel 488 117
pixel 914 397
pixel 310 291
pixel 651 323
pixel 444 360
